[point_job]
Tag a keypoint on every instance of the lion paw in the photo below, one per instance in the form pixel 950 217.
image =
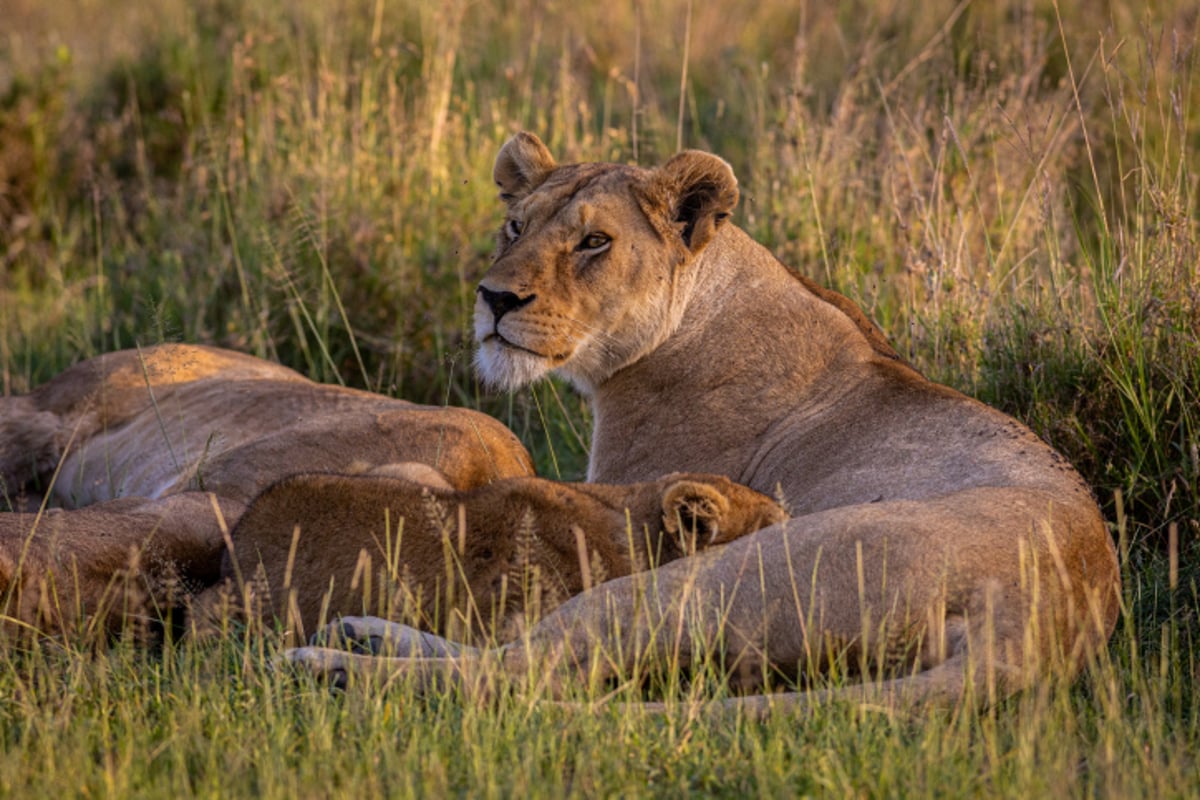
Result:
pixel 329 666
pixel 381 637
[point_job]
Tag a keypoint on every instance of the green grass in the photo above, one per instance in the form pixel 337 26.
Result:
pixel 220 722
pixel 1008 188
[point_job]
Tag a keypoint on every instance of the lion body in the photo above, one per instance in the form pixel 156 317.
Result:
pixel 111 563
pixel 173 418
pixel 128 444
pixel 155 454
pixel 935 543
pixel 318 546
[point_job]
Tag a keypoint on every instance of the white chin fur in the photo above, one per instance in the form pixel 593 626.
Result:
pixel 506 369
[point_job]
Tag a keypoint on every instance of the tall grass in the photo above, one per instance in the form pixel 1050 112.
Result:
pixel 1008 188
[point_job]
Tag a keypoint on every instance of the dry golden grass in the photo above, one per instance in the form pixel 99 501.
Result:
pixel 1008 188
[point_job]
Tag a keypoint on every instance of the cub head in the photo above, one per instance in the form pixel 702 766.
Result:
pixel 591 268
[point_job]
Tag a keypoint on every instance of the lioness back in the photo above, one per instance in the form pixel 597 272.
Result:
pixel 161 420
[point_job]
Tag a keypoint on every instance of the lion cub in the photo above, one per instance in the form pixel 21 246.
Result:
pixel 109 564
pixel 315 546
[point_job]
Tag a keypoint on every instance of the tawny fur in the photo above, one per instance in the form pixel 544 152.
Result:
pixel 936 544
pixel 109 564
pixel 472 562
pixel 174 417
pixel 111 434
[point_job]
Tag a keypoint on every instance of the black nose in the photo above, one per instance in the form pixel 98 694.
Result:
pixel 503 302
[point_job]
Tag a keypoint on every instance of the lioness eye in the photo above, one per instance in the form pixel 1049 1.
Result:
pixel 513 229
pixel 595 241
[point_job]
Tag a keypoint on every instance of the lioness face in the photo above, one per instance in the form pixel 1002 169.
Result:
pixel 570 259
pixel 589 262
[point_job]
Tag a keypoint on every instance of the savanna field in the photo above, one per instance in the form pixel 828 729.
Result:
pixel 1009 190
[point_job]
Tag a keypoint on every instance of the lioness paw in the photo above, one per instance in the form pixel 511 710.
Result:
pixel 381 637
pixel 328 666
pixel 343 635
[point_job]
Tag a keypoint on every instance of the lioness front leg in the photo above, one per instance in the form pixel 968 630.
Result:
pixel 377 650
pixel 661 618
pixel 339 668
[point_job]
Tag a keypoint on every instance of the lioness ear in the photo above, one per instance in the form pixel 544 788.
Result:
pixel 690 507
pixel 521 166
pixel 701 192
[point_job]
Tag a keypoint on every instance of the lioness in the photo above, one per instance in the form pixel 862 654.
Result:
pixel 175 417
pixel 317 546
pixel 936 544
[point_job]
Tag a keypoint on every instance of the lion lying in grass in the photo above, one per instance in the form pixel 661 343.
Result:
pixel 129 442
pixel 937 546
pixel 109 564
pixel 172 418
pixel 166 422
pixel 471 562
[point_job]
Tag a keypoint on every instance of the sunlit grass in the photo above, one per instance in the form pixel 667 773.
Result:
pixel 1009 189
pixel 225 718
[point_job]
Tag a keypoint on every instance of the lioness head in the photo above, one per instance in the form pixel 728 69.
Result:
pixel 591 263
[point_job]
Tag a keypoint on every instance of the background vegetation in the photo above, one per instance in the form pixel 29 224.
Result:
pixel 1008 188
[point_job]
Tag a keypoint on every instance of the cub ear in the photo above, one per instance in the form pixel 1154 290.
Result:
pixel 695 513
pixel 521 166
pixel 700 192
